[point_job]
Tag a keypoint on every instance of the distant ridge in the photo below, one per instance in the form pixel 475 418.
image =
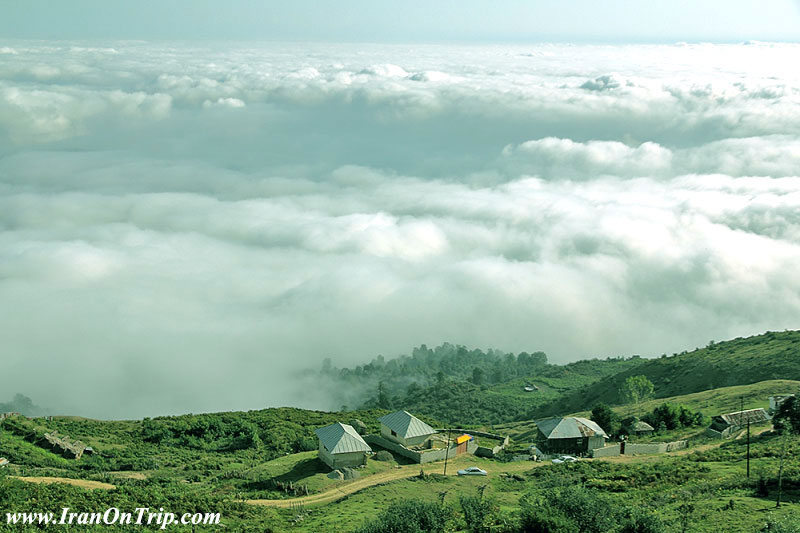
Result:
pixel 741 361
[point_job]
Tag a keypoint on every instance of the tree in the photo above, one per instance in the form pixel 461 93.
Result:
pixel 383 398
pixel 605 418
pixel 788 415
pixel 636 388
pixel 785 437
pixel 477 375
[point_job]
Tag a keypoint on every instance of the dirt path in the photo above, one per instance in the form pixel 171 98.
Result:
pixel 404 472
pixel 86 484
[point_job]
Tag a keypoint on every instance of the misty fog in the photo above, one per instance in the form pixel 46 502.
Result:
pixel 185 228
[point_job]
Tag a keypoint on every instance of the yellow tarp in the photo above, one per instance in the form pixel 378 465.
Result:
pixel 463 438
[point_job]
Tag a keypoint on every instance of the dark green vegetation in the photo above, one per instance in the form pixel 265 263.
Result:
pixel 773 355
pixel 788 416
pixel 702 491
pixel 461 386
pixel 211 463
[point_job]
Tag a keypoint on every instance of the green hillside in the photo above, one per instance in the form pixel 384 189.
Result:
pixel 770 356
pixel 233 462
pixel 710 403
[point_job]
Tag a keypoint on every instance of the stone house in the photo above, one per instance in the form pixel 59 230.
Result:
pixel 341 446
pixel 404 428
pixel 573 435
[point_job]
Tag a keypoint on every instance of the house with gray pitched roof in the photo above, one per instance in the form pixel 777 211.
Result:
pixel 341 446
pixel 404 428
pixel 570 434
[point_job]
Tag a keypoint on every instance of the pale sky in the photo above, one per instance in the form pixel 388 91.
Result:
pixel 407 21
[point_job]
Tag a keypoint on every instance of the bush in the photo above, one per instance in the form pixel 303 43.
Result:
pixel 410 516
pixel 782 525
pixel 637 520
pixel 383 455
pixel 670 416
pixel 576 509
pixel 478 513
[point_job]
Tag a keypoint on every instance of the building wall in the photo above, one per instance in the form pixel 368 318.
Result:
pixel 386 433
pixel 341 460
pixel 426 456
pixel 654 447
pixel 415 441
pixel 576 445
pixel 595 442
pixel 606 451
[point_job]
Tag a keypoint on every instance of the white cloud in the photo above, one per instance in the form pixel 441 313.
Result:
pixel 173 218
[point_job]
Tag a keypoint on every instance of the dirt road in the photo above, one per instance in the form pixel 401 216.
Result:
pixel 86 484
pixel 404 472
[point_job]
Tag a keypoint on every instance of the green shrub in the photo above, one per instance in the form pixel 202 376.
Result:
pixel 383 455
pixel 478 512
pixel 410 516
pixel 782 525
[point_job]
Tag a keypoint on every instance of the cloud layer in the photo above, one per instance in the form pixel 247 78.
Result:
pixel 184 228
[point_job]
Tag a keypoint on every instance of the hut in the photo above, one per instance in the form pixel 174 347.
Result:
pixel 404 428
pixel 725 425
pixel 569 435
pixel 640 427
pixel 341 446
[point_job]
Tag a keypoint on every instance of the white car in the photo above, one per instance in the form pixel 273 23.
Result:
pixel 564 459
pixel 472 471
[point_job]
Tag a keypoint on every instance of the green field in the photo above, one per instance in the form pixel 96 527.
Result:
pixel 247 465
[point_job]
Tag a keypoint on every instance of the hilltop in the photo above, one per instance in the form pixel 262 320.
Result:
pixel 741 361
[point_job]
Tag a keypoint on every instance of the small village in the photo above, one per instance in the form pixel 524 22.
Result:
pixel 347 446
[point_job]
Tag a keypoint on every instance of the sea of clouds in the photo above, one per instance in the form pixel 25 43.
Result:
pixel 184 227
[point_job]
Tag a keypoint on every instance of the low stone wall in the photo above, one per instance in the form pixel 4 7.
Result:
pixel 483 451
pixel 606 451
pixel 427 456
pixel 632 448
pixel 724 434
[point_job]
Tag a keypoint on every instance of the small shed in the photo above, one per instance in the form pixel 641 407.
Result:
pixel 726 424
pixel 404 428
pixel 642 428
pixel 341 446
pixel 570 435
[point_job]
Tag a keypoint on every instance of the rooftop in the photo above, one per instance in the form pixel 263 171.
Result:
pixel 341 438
pixel 406 425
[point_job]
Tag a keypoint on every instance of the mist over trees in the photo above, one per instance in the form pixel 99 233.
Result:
pixel 23 405
pixel 452 383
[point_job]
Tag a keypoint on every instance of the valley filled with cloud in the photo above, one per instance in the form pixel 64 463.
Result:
pixel 183 228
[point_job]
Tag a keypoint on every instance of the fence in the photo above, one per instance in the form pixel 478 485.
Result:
pixel 421 457
pixel 606 451
pixel 632 448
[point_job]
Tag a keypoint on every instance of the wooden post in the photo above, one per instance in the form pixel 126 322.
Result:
pixel 447 452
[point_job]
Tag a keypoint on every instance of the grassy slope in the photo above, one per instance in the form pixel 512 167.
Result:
pixel 771 356
pixel 710 402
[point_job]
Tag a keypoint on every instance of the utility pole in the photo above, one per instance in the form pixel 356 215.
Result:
pixel 447 452
pixel 748 435
pixel 748 447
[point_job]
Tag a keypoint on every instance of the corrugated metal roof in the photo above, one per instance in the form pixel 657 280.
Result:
pixel 740 418
pixel 341 438
pixel 406 425
pixel 571 427
pixel 642 426
pixel 463 438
